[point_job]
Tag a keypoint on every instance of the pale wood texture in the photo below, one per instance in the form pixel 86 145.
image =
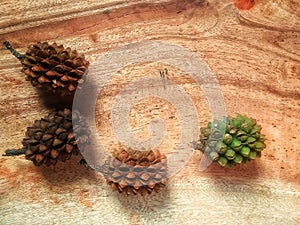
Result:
pixel 256 59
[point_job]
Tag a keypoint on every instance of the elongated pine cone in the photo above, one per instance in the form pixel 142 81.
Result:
pixel 240 143
pixel 135 172
pixel 52 67
pixel 52 138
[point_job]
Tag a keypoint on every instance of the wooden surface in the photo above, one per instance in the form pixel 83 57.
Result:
pixel 256 59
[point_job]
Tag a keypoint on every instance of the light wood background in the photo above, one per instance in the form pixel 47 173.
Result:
pixel 255 56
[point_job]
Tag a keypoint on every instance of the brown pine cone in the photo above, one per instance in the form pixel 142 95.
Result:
pixel 52 68
pixel 52 138
pixel 135 172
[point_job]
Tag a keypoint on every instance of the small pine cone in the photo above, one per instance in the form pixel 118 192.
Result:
pixel 135 172
pixel 52 138
pixel 240 143
pixel 52 68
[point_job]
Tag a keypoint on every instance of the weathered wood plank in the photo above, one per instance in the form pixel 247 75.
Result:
pixel 255 57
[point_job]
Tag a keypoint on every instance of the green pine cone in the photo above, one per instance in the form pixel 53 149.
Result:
pixel 232 140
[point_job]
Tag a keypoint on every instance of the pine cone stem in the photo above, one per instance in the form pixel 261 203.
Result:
pixel 13 51
pixel 13 152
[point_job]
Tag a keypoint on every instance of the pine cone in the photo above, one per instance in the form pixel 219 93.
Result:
pixel 52 138
pixel 53 68
pixel 241 142
pixel 135 172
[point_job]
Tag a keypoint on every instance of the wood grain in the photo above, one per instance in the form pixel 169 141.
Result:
pixel 256 59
